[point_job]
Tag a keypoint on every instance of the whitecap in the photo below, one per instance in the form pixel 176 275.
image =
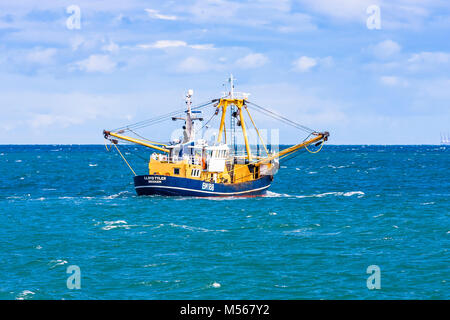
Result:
pixel 195 228
pixel 271 194
pixel 93 165
pixel 24 294
pixel 152 265
pixel 216 285
pixel 55 263
pixel 335 193
pixel 349 194
pixel 117 195
pixel 272 213
pixel 18 161
pixel 115 224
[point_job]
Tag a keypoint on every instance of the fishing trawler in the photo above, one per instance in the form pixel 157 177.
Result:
pixel 192 166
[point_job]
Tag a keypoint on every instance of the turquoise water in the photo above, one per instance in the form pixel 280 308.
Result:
pixel 326 218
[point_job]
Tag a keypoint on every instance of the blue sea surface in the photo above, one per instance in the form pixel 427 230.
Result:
pixel 326 219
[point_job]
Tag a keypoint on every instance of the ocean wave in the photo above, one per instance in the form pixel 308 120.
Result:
pixel 307 232
pixel 194 228
pixel 55 263
pixel 120 194
pixel 335 193
pixel 271 194
pixel 152 265
pixel 25 294
pixel 115 224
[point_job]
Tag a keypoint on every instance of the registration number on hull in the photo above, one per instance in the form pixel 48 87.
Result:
pixel 208 186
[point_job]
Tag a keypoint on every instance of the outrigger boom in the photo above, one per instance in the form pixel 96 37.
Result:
pixel 108 134
pixel 192 167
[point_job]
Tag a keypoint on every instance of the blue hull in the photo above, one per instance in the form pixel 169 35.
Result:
pixel 175 186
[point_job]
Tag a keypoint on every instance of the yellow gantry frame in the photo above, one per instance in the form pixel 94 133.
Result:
pixel 239 103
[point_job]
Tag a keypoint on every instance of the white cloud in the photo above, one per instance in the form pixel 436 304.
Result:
pixel 399 14
pixel 194 65
pixel 393 81
pixel 164 44
pixel 97 63
pixel 156 15
pixel 429 63
pixel 386 49
pixel 76 42
pixel 344 10
pixel 41 56
pixel 208 46
pixel 252 60
pixel 304 63
pixel 161 44
pixel 45 120
pixel 111 47
pixel 430 57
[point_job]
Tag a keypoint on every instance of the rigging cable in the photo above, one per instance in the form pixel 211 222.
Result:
pixel 281 118
pixel 124 159
pixel 155 120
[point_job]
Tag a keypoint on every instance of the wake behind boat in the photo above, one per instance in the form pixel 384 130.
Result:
pixel 195 167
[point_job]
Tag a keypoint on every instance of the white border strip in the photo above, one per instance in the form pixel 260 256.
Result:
pixel 225 193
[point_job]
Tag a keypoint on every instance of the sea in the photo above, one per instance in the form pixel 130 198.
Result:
pixel 350 222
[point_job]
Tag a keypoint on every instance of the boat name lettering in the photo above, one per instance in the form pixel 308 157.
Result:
pixel 156 179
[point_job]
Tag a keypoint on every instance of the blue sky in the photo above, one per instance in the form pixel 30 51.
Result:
pixel 316 62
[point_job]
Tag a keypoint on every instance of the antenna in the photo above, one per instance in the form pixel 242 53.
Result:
pixel 189 95
pixel 231 81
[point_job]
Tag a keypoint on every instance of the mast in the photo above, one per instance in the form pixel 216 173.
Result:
pixel 189 133
pixel 231 100
pixel 189 130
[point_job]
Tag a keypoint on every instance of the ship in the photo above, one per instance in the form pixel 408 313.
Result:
pixel 445 139
pixel 195 167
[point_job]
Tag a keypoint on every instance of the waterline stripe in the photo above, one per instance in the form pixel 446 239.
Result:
pixel 226 193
